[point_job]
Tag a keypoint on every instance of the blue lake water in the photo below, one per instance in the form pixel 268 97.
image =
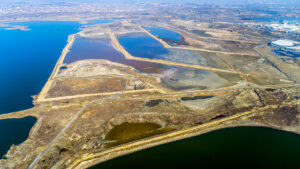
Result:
pixel 84 48
pixel 242 147
pixel 142 45
pixel 287 53
pixel 284 52
pixel 172 77
pixel 165 34
pixel 27 60
pixel 93 22
pixel 14 131
pixel 272 19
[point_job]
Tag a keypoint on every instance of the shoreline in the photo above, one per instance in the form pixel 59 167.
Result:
pixel 19 114
pixel 128 56
pixel 220 91
pixel 89 160
pixel 166 45
pixel 105 158
pixel 96 158
pixel 42 95
pixel 21 28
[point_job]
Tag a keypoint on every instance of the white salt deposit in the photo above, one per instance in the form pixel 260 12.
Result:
pixel 285 43
pixel 288 44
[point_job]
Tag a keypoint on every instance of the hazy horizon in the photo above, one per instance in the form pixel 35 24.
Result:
pixel 221 2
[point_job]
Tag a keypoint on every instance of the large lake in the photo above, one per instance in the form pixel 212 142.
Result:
pixel 242 147
pixel 27 60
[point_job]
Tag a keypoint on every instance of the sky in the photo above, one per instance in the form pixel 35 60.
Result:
pixel 239 2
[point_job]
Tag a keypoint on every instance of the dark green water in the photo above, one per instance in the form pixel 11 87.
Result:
pixel 242 147
pixel 14 131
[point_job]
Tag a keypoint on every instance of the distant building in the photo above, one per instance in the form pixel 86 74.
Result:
pixel 286 27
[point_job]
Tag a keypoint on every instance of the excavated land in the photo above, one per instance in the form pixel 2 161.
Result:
pixel 92 76
pixel 84 105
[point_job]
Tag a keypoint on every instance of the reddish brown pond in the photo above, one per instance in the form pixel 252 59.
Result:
pixel 84 48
